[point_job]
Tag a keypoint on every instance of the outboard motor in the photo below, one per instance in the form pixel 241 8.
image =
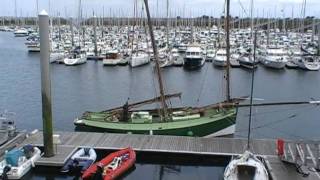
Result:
pixel 86 151
pixel 5 171
pixel 98 174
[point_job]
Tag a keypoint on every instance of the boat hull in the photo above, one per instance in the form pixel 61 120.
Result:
pixel 193 63
pixel 17 172
pixel 219 63
pixel 124 166
pixel 247 166
pixel 276 64
pixel 201 126
pixel 110 62
pixel 80 161
pixel 77 61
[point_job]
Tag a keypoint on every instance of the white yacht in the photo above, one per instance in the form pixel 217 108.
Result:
pixel 193 58
pixel 220 58
pixel 307 62
pixel 56 56
pixel 139 58
pixel 246 166
pixel 273 57
pixel 175 56
pixel 246 60
pixel 210 54
pixel 33 46
pixel 19 162
pixel 75 58
pixel 112 58
pixel 21 33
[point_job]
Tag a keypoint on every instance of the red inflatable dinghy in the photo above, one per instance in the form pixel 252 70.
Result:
pixel 112 166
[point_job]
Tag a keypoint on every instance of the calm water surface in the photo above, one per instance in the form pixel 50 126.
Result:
pixel 93 87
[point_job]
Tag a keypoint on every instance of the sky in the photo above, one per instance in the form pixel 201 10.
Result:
pixel 183 8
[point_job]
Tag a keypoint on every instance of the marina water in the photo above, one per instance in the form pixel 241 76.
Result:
pixel 92 87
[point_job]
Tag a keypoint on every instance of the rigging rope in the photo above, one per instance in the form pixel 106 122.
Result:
pixel 266 125
pixel 202 85
pixel 244 10
pixel 130 82
pixel 273 111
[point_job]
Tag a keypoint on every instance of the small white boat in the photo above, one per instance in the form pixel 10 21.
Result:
pixel 21 33
pixel 193 58
pixel 139 58
pixel 246 166
pixel 82 159
pixel 273 57
pixel 112 58
pixel 57 56
pixel 176 58
pixel 33 47
pixel 220 58
pixel 18 162
pixel 8 127
pixel 210 55
pixel 75 59
pixel 246 60
pixel 307 63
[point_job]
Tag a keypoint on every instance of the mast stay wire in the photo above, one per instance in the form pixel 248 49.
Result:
pixel 267 125
pixel 243 9
pixel 273 111
pixel 204 78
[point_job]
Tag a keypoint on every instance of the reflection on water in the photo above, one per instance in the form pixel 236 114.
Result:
pixel 156 166
pixel 146 172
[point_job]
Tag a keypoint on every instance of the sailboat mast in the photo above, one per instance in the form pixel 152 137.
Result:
pixel 251 93
pixel 227 28
pixel 79 21
pixel 167 31
pixel 164 112
pixel 251 16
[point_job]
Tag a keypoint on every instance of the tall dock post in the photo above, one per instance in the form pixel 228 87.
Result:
pixel 45 83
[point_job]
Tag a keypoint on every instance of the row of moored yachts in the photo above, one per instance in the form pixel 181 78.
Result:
pixel 180 47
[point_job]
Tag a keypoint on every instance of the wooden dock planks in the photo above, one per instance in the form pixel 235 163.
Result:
pixel 70 141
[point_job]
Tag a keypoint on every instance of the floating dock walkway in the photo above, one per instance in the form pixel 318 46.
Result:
pixel 69 142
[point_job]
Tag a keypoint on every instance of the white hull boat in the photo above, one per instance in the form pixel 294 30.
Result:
pixel 75 60
pixel 246 166
pixel 18 162
pixel 112 58
pixel 273 57
pixel 307 63
pixel 274 62
pixel 34 48
pixel 56 56
pixel 247 62
pixel 83 159
pixel 220 58
pixel 110 62
pixel 139 59
pixel 21 33
pixel 166 63
pixel 193 58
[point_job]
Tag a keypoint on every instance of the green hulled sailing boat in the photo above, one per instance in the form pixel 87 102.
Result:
pixel 187 121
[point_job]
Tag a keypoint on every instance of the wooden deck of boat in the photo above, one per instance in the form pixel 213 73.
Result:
pixel 70 141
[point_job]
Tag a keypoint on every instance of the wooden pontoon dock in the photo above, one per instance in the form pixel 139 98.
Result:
pixel 69 142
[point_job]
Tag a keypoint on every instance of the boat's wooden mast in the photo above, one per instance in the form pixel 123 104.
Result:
pixel 163 112
pixel 227 28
